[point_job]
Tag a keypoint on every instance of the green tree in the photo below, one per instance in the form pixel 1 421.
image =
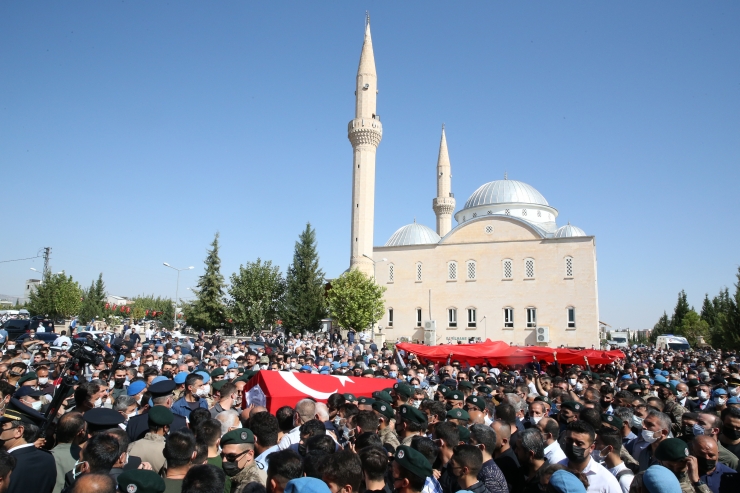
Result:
pixel 355 301
pixel 305 302
pixel 164 307
pixel 679 312
pixel 726 334
pixel 58 296
pixel 708 311
pixel 207 311
pixel 257 292
pixel 662 327
pixel 93 303
pixel 694 327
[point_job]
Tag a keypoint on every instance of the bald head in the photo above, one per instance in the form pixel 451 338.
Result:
pixel 503 430
pixel 703 445
pixel 94 483
pixel 476 417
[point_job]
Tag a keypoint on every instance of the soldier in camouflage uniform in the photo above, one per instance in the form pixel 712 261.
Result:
pixel 237 448
pixel 667 393
pixel 673 454
pixel 386 432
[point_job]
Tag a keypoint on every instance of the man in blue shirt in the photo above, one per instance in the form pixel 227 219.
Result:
pixel 717 476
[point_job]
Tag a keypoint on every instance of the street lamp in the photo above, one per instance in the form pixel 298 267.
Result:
pixel 374 262
pixel 177 289
pixel 62 272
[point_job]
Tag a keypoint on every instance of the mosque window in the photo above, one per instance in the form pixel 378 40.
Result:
pixel 390 317
pixel 529 268
pixel 507 212
pixel 508 318
pixel 490 212
pixel 418 272
pixel 471 318
pixel 489 229
pixel 418 317
pixel 452 317
pixel 391 272
pixel 539 213
pixel 508 270
pixel 452 271
pixel 524 212
pixel 531 317
pixel 571 317
pixel 471 270
pixel 475 214
pixel 568 266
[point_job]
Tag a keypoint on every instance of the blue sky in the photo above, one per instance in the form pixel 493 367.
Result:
pixel 131 132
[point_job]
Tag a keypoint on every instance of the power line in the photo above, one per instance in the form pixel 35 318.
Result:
pixel 19 259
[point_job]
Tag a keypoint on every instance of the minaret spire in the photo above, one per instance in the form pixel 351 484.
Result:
pixel 365 132
pixel 444 203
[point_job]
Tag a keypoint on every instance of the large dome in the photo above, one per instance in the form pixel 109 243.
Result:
pixel 504 192
pixel 569 231
pixel 413 234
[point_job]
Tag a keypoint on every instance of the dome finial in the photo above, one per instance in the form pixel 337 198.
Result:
pixel 506 175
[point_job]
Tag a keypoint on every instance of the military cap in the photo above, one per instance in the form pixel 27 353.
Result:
pixel 458 413
pixel 246 376
pixel 464 433
pixel 410 413
pixel 443 388
pixel 465 385
pixel 218 384
pixel 382 395
pixel 101 418
pixel 368 371
pixel 660 379
pixel 238 436
pixel 476 401
pixel 572 405
pixel 17 411
pixel 373 362
pixel 658 366
pixel 27 390
pixel 160 416
pixel 669 386
pixel 140 481
pixel 403 390
pixel 485 389
pixel 635 386
pixel 217 372
pixel 692 382
pixel 350 397
pixel 384 408
pixel 612 420
pixel 413 461
pixel 27 377
pixel 162 388
pixel 672 449
pixel 206 376
pixel 180 377
pixel 733 382
pixel 455 395
pixel 136 387
pixel 451 383
pixel 366 400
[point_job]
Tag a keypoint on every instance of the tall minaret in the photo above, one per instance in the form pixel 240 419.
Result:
pixel 444 203
pixel 365 132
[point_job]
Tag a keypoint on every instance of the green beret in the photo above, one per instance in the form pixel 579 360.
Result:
pixel 247 375
pixel 458 413
pixel 413 461
pixel 217 372
pixel 693 382
pixel 465 385
pixel 382 395
pixel 612 420
pixel 634 386
pixel 476 401
pixel 410 413
pixel 238 436
pixel 464 433
pixel 658 366
pixel 403 390
pixel 28 376
pixel 372 362
pixel 218 384
pixel 572 405
pixel 384 408
pixel 672 449
pixel 485 389
pixel 140 481
pixel 366 400
pixel 443 389
pixel 455 395
pixel 160 416
pixel 350 397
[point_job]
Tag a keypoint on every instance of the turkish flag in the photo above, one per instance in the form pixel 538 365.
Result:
pixel 275 389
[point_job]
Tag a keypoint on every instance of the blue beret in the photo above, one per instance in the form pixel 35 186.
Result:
pixel 306 368
pixel 733 400
pixel 720 392
pixel 180 377
pixel 659 479
pixel 344 365
pixel 306 485
pixel 564 482
pixel 136 387
pixel 158 379
pixel 660 379
pixel 232 365
pixel 205 375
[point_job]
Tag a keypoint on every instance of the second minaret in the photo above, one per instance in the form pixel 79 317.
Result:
pixel 444 203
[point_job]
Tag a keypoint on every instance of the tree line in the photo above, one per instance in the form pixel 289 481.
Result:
pixel 718 321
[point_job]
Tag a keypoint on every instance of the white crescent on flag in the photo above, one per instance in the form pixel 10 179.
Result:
pixel 293 381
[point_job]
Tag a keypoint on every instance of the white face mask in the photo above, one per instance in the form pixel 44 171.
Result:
pixel 27 361
pixel 734 391
pixel 11 346
pixel 232 375
pixel 535 419
pixel 36 405
pixel 579 387
pixel 138 399
pixel 292 364
pixel 572 381
pixel 636 421
pixel 160 354
pixel 263 367
pixel 721 401
pixel 131 415
pixel 680 395
pixel 649 436
pixel 43 380
pixel 487 420
pixel 702 395
pixel 98 402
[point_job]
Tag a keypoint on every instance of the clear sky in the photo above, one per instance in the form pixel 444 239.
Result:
pixel 131 132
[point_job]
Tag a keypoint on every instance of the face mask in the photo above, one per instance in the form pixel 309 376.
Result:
pixel 200 392
pixel 263 367
pixel 572 381
pixel 706 464
pixel 575 454
pixel 702 395
pixel 680 395
pixel 698 430
pixel 337 420
pixel 27 361
pixel 579 387
pixel 43 380
pixel 649 436
pixel 417 404
pixel 636 421
pixel 292 365
pixel 160 353
pixel 596 455
pixel 138 399
pixel 129 416
pixel 488 421
pixel 734 391
pixel 10 346
pixel 535 419
pixel 77 469
pixel 231 468
pixel 730 433
pixel 721 401
pixel 393 374
pixel 232 375
pixel 98 402
pixel 36 405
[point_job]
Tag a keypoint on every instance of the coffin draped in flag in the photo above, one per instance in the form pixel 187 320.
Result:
pixel 275 389
pixel 499 352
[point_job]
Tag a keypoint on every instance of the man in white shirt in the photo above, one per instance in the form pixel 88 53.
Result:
pixel 579 444
pixel 607 449
pixel 62 340
pixel 305 410
pixel 550 430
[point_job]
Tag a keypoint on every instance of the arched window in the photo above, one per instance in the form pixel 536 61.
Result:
pixel 571 317
pixel 531 317
pixel 452 317
pixel 529 268
pixel 418 271
pixel 508 318
pixel 391 272
pixel 452 271
pixel 508 268
pixel 471 318
pixel 390 317
pixel 568 266
pixel 470 270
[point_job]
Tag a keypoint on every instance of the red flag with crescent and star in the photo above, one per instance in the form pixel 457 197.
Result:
pixel 275 389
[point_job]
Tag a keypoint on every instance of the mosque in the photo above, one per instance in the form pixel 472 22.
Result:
pixel 506 263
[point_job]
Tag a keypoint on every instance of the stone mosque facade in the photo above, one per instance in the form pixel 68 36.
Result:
pixel 505 271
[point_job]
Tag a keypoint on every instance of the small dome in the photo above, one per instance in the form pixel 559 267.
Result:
pixel 413 234
pixel 504 192
pixel 569 231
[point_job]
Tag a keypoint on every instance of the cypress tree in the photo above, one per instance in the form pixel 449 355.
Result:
pixel 305 302
pixel 708 313
pixel 207 312
pixel 679 313
pixel 93 303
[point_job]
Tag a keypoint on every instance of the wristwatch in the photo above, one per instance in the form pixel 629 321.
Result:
pixel 699 483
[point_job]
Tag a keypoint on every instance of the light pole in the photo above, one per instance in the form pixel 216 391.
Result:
pixel 177 289
pixel 485 328
pixel 374 262
pixel 62 272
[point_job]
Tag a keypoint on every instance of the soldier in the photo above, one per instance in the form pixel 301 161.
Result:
pixel 410 422
pixel 386 432
pixel 141 481
pixel 151 446
pixel 667 392
pixel 237 452
pixel 673 453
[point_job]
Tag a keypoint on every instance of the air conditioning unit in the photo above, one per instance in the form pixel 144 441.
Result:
pixel 430 333
pixel 543 334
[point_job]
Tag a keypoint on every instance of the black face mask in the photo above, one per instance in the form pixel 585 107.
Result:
pixel 119 382
pixel 231 469
pixel 575 454
pixel 730 433
pixel 706 465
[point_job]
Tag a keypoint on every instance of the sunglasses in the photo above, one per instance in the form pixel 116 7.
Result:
pixel 232 457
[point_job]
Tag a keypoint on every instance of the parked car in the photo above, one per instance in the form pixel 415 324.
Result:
pixel 47 337
pixel 48 324
pixel 16 327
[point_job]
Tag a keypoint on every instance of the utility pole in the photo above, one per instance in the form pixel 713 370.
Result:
pixel 47 256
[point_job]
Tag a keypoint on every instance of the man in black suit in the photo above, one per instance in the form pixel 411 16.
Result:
pixel 35 469
pixel 161 393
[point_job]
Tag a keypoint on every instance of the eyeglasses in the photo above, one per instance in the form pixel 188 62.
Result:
pixel 232 457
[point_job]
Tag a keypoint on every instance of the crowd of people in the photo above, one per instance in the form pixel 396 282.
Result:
pixel 167 415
